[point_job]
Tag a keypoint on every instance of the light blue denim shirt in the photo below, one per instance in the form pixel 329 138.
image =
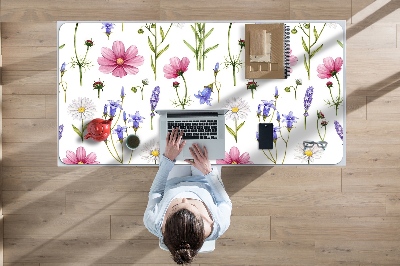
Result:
pixel 209 188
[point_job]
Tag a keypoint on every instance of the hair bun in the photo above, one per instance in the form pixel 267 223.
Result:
pixel 184 245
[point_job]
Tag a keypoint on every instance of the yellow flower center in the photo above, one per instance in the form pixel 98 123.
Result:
pixel 80 163
pixel 308 153
pixel 234 162
pixel 235 109
pixel 81 109
pixel 155 153
pixel 120 61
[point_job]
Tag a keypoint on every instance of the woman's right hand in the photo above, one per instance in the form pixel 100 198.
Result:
pixel 200 157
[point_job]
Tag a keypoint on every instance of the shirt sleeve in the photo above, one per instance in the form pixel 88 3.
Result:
pixel 156 194
pixel 222 199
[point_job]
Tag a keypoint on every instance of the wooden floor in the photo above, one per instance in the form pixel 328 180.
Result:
pixel 281 215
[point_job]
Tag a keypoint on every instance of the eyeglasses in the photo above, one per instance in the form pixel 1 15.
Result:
pixel 310 144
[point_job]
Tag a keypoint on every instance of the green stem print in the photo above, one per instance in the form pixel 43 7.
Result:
pixel 155 46
pixel 82 62
pixel 80 132
pixel 233 60
pixel 298 83
pixel 186 100
pixel 200 36
pixel 234 133
pixel 308 44
pixel 62 83
pixel 338 100
pixel 324 123
pixel 141 87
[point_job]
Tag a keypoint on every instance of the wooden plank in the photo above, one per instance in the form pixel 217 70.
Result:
pixel 309 10
pixel 359 6
pixel 40 130
pixel 33 202
pixel 393 204
pixel 371 156
pixel 240 10
pixel 368 12
pixel 249 227
pixel 285 180
pixel 28 34
pixel 356 108
pixel 364 252
pixel 107 203
pixel 53 226
pixel 30 154
pixel 129 227
pixel 22 58
pixel 112 264
pixel 360 36
pixel 383 108
pixel 51 106
pixel 47 178
pixel 309 204
pixel 21 264
pixel 42 10
pixel 372 81
pixel 228 252
pixel 335 228
pixel 24 106
pixel 29 82
pixel 371 131
pixel 381 180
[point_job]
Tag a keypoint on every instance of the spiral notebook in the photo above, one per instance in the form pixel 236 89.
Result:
pixel 267 51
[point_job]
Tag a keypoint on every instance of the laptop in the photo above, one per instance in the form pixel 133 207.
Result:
pixel 204 127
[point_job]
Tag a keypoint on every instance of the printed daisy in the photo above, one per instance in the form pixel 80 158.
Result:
pixel 238 109
pixel 81 108
pixel 151 152
pixel 308 154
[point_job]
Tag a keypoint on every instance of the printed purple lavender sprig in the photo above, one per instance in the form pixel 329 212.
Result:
pixel 62 83
pixel 154 99
pixel 234 60
pixel 308 44
pixel 308 97
pixel 199 48
pixel 339 129
pixel 155 45
pixel 81 62
pixel 108 27
pixel 145 82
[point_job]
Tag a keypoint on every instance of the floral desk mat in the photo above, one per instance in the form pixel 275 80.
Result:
pixel 125 71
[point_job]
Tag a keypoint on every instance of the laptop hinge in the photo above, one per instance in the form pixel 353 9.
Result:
pixel 192 114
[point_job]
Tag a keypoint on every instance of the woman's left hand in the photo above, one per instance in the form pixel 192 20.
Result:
pixel 174 144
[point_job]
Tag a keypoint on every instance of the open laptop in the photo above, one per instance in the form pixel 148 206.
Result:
pixel 206 127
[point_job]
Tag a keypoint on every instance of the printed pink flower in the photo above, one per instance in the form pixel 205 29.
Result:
pixel 293 60
pixel 330 67
pixel 118 61
pixel 176 67
pixel 80 157
pixel 234 157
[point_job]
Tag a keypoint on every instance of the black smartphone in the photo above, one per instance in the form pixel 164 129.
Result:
pixel 265 136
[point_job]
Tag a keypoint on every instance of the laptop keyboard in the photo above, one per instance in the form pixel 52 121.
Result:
pixel 196 129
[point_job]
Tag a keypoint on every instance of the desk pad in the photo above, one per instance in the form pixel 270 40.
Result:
pixel 127 70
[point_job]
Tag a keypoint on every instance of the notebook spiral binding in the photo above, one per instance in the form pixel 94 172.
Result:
pixel 286 49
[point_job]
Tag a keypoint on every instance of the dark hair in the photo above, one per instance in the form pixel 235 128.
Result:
pixel 184 235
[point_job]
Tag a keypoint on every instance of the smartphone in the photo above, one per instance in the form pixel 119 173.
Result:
pixel 265 136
